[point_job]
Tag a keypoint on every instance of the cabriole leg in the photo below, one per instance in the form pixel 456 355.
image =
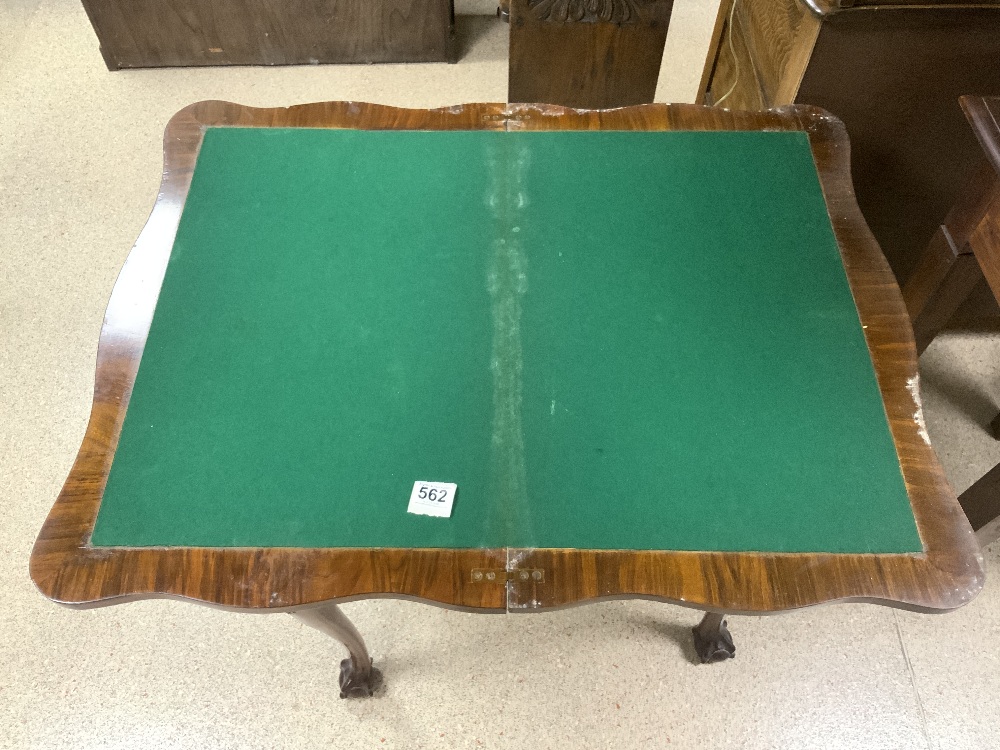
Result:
pixel 358 678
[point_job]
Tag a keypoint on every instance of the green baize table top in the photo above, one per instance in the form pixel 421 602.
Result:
pixel 607 340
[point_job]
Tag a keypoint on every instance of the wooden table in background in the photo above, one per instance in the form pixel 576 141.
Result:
pixel 893 72
pixel 309 581
pixel 963 253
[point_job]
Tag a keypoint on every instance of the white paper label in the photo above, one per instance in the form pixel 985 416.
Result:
pixel 432 499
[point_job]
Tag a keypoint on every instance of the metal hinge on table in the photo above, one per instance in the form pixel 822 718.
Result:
pixel 499 575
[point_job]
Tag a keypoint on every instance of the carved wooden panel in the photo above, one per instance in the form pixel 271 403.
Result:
pixel 588 11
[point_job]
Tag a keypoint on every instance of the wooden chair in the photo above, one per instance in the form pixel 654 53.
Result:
pixel 964 251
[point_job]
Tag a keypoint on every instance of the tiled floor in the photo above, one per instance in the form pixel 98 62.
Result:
pixel 79 168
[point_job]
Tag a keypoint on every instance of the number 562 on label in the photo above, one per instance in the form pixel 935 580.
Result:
pixel 432 498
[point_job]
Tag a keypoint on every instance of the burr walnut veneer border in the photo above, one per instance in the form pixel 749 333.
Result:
pixel 66 569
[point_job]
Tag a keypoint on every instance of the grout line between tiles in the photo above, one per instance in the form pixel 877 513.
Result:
pixel 913 681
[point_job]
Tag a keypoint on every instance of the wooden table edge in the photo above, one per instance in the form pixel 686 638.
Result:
pixel 67 570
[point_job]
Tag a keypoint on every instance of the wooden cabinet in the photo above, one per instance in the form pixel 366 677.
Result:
pixel 158 33
pixel 585 53
pixel 892 72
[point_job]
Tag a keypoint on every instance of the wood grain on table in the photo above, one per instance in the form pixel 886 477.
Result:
pixel 946 575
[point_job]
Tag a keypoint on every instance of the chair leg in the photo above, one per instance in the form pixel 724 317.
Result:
pixel 981 503
pixel 944 278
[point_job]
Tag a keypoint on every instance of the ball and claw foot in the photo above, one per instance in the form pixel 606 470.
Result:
pixel 712 640
pixel 356 683
pixel 358 678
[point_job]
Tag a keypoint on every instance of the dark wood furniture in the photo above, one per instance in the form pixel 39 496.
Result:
pixel 590 55
pixel 308 582
pixel 892 71
pixel 964 252
pixel 163 33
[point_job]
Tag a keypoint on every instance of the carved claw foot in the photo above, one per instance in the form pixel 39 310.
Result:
pixel 358 683
pixel 358 678
pixel 712 640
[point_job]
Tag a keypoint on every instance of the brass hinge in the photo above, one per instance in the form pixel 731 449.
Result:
pixel 499 575
pixel 516 116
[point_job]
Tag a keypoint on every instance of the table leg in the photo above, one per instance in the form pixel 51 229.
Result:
pixel 358 678
pixel 712 640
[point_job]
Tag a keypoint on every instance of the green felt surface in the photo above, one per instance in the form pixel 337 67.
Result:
pixel 607 340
